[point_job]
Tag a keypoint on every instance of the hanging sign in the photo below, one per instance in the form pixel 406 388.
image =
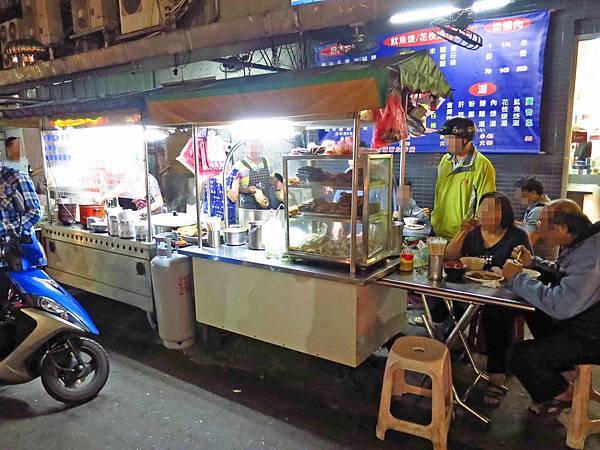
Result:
pixel 498 86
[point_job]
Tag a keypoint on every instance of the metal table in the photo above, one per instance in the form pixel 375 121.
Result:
pixel 474 294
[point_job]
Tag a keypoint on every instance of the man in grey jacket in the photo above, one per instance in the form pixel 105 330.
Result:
pixel 572 299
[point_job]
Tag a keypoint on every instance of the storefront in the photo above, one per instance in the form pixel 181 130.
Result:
pixel 584 152
pixel 321 299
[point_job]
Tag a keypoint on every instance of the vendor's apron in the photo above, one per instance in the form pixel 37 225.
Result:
pixel 261 179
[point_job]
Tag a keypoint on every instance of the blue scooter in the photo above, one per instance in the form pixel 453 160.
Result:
pixel 44 331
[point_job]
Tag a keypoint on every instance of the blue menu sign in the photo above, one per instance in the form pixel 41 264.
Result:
pixel 498 86
pixel 303 2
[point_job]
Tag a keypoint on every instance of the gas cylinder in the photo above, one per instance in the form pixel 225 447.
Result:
pixel 173 285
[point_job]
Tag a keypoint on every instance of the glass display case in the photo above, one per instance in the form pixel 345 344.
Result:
pixel 318 203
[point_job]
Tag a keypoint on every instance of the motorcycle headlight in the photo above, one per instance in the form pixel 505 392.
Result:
pixel 49 305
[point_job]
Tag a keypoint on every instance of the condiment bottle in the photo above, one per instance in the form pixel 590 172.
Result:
pixel 407 260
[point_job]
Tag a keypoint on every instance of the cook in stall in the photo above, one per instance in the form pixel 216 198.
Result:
pixel 249 181
pixel 130 195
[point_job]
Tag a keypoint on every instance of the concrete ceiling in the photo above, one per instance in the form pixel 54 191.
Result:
pixel 210 41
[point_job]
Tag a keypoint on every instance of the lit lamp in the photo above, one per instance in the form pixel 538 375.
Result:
pixel 24 52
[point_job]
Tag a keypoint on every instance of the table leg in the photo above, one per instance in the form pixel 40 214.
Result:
pixel 479 374
pixel 461 324
pixel 455 334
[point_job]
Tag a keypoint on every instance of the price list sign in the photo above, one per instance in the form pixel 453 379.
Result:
pixel 498 86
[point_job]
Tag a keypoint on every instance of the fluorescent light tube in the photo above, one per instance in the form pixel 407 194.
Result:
pixel 488 5
pixel 419 15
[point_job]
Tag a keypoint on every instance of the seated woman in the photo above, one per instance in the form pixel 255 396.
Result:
pixel 492 236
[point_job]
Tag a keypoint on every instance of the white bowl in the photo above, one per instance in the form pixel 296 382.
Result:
pixel 410 220
pixel 531 273
pixel 474 263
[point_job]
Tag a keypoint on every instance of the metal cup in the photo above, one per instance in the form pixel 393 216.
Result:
pixel 213 239
pixel 435 266
pixel 396 237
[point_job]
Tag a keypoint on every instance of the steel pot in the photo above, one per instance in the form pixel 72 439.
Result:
pixel 67 213
pixel 235 235
pixel 159 229
pixel 99 227
pixel 252 215
pixel 255 236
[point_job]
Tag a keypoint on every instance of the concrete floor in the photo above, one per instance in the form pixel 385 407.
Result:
pixel 238 393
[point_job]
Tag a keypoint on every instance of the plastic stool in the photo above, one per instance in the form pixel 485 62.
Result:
pixel 425 356
pixel 578 423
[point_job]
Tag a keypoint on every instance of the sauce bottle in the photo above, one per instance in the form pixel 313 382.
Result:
pixel 407 259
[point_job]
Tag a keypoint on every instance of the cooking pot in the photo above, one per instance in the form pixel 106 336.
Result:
pixel 167 222
pixel 67 213
pixel 99 227
pixel 252 215
pixel 255 236
pixel 235 235
pixel 86 211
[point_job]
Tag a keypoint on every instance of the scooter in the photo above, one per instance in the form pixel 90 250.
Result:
pixel 44 331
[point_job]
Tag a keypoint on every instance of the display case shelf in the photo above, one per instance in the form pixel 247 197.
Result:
pixel 339 218
pixel 379 184
pixel 327 237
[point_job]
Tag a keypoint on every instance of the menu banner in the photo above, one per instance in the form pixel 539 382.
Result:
pixel 303 2
pixel 498 86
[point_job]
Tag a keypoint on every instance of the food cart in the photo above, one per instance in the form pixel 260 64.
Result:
pixel 321 304
pixel 88 147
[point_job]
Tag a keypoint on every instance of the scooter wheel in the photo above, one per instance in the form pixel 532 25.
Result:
pixel 61 381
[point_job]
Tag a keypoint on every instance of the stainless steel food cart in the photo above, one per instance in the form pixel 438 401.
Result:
pixel 330 311
pixel 109 266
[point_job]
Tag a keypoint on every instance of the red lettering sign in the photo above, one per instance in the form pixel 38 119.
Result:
pixel 508 25
pixel 482 89
pixel 412 38
pixel 332 50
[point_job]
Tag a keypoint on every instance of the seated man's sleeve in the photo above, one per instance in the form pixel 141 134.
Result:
pixel 577 290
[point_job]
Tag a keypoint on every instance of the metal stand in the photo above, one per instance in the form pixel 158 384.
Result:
pixel 457 333
pixel 479 374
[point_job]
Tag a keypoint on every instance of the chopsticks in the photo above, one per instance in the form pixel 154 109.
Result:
pixel 518 258
pixel 437 246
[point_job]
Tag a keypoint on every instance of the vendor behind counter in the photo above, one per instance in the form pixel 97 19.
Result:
pixel 250 182
pixel 135 199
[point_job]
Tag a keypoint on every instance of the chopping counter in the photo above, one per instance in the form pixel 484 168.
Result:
pixel 316 309
pixel 96 262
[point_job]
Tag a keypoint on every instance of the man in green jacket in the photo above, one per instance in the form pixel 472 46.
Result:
pixel 464 176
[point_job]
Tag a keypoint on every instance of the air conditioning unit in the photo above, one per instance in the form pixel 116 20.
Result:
pixel 10 30
pixel 137 15
pixel 94 14
pixel 43 21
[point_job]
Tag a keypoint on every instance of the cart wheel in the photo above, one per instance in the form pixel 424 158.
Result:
pixel 151 317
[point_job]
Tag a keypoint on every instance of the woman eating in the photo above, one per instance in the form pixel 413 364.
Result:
pixel 492 236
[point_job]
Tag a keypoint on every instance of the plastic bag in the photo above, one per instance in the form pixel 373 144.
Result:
pixel 390 123
pixel 211 156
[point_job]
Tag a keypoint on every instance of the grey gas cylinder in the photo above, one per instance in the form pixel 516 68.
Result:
pixel 173 285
